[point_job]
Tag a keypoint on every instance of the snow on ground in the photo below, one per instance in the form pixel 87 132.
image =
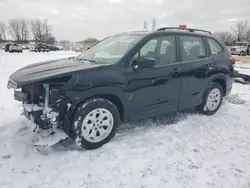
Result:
pixel 185 150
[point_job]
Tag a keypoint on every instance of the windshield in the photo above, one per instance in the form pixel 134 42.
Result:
pixel 239 44
pixel 110 50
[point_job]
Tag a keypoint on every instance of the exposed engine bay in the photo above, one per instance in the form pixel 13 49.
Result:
pixel 41 104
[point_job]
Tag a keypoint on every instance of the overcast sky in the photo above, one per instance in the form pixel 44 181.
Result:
pixel 78 19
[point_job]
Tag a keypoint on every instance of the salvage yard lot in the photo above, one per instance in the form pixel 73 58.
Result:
pixel 184 150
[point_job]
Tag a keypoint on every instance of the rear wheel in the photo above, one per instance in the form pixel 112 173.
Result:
pixel 95 123
pixel 212 99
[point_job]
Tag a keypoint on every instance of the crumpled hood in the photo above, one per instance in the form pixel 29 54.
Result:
pixel 45 70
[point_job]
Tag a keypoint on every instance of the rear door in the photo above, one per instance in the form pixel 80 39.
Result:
pixel 196 64
pixel 154 91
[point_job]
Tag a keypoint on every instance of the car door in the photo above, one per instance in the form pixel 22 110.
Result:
pixel 196 64
pixel 155 90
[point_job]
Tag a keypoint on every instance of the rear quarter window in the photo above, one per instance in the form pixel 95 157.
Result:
pixel 215 47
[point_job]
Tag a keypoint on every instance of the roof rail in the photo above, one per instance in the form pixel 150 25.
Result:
pixel 188 29
pixel 133 32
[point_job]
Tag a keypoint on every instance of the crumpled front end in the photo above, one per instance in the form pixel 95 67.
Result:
pixel 43 105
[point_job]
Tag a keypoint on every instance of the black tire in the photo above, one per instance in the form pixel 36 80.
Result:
pixel 80 114
pixel 241 53
pixel 203 107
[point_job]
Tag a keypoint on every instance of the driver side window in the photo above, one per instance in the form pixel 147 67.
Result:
pixel 161 49
pixel 148 50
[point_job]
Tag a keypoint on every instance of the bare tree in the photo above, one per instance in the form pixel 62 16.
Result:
pixel 247 35
pixel 46 31
pixel 226 37
pixel 14 29
pixel 2 31
pixel 24 30
pixel 18 28
pixel 240 29
pixel 50 39
pixel 40 30
pixel 35 27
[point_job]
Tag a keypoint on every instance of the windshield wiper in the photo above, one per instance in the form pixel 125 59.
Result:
pixel 81 59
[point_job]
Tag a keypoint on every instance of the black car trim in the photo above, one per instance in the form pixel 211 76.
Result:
pixel 211 79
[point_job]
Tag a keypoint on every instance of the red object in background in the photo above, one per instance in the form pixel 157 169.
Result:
pixel 232 60
pixel 183 26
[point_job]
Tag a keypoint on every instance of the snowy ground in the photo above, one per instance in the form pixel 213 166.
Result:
pixel 188 150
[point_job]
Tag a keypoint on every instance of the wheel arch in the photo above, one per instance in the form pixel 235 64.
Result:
pixel 218 78
pixel 114 95
pixel 110 97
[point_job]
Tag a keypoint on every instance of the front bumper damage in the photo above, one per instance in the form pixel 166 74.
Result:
pixel 47 114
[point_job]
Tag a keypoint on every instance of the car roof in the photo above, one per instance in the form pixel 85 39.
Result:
pixel 172 30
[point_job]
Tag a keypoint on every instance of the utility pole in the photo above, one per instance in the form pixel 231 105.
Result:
pixel 145 26
pixel 153 24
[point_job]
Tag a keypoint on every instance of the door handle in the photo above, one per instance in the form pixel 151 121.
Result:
pixel 210 66
pixel 176 71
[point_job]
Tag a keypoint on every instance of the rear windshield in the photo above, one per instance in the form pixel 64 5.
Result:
pixel 239 44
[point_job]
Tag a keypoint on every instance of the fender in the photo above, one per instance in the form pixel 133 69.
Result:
pixel 211 79
pixel 78 98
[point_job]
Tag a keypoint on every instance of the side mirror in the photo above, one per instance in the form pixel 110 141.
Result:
pixel 147 62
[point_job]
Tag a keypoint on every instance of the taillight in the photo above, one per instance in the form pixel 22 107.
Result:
pixel 232 60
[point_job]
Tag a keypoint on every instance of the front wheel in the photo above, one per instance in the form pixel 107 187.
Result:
pixel 241 53
pixel 212 99
pixel 95 123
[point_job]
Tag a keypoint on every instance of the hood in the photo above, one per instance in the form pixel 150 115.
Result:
pixel 46 70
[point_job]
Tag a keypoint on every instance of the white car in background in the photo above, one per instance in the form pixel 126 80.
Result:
pixel 15 48
pixel 240 48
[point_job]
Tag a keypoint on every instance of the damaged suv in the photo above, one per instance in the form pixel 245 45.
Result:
pixel 128 76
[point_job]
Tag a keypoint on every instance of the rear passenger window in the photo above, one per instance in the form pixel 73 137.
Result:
pixel 192 48
pixel 214 46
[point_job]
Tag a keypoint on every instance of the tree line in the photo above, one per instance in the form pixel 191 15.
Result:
pixel 21 30
pixel 239 32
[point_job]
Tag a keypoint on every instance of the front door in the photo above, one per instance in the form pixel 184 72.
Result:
pixel 154 90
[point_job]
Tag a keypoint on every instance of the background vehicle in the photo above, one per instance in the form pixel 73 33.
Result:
pixel 25 47
pixel 53 48
pixel 7 46
pixel 240 48
pixel 128 76
pixel 15 48
pixel 80 48
pixel 40 48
